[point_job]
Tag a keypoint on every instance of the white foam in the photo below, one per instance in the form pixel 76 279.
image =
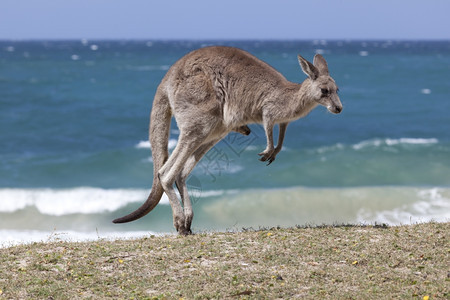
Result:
pixel 255 148
pixel 232 169
pixel 80 200
pixel 436 197
pixel 412 141
pixel 392 142
pixel 332 148
pixel 10 238
pixel 354 205
pixel 426 205
pixel 320 51
pixel 146 144
pixel 147 68
pixel 363 53
pixel 375 143
pixel 214 193
pixel 143 145
pixel 172 143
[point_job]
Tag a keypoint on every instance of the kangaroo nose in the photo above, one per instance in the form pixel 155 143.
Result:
pixel 338 109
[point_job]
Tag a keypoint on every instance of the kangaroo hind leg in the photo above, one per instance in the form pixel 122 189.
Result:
pixel 182 179
pixel 172 169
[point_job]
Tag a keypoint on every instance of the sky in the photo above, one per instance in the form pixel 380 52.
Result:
pixel 230 19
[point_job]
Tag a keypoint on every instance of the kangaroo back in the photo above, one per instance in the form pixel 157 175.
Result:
pixel 159 137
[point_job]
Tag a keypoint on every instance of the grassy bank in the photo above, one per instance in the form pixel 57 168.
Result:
pixel 344 262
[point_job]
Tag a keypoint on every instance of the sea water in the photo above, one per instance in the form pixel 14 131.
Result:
pixel 75 154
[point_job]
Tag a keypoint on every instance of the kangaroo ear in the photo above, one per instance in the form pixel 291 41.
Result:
pixel 321 64
pixel 308 68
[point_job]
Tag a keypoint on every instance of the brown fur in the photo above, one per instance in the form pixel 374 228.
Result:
pixel 215 90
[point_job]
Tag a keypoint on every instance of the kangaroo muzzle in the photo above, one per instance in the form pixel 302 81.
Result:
pixel 335 106
pixel 335 109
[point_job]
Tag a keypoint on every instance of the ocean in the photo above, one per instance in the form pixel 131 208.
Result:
pixel 75 155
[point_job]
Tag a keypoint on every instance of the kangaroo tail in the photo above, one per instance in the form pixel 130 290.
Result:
pixel 159 136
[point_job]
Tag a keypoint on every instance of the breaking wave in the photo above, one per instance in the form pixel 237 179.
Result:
pixel 146 144
pixel 393 142
pixel 81 200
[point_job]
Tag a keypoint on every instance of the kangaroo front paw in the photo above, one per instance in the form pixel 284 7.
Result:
pixel 245 130
pixel 266 155
pixel 271 159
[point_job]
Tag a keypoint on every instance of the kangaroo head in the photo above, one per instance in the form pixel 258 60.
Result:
pixel 322 87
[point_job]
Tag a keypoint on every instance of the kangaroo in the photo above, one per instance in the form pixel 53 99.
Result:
pixel 211 92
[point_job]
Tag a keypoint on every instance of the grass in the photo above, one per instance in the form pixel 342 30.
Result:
pixel 328 262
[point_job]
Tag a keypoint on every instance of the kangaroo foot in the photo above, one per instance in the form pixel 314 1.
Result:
pixel 184 232
pixel 179 224
pixel 181 227
pixel 187 224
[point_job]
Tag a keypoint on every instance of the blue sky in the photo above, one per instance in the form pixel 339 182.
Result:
pixel 231 19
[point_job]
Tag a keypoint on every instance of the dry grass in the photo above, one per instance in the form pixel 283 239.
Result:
pixel 343 262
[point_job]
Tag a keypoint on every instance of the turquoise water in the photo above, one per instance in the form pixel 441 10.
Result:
pixel 74 123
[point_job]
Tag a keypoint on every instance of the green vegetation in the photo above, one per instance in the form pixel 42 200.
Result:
pixel 329 262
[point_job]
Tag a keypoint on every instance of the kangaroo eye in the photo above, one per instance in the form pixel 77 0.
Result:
pixel 324 91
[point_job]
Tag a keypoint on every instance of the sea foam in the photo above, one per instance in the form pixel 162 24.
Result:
pixel 427 205
pixel 393 142
pixel 148 68
pixel 393 205
pixel 10 238
pixel 146 144
pixel 377 143
pixel 82 200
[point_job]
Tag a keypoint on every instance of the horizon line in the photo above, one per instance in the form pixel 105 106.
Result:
pixel 228 39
